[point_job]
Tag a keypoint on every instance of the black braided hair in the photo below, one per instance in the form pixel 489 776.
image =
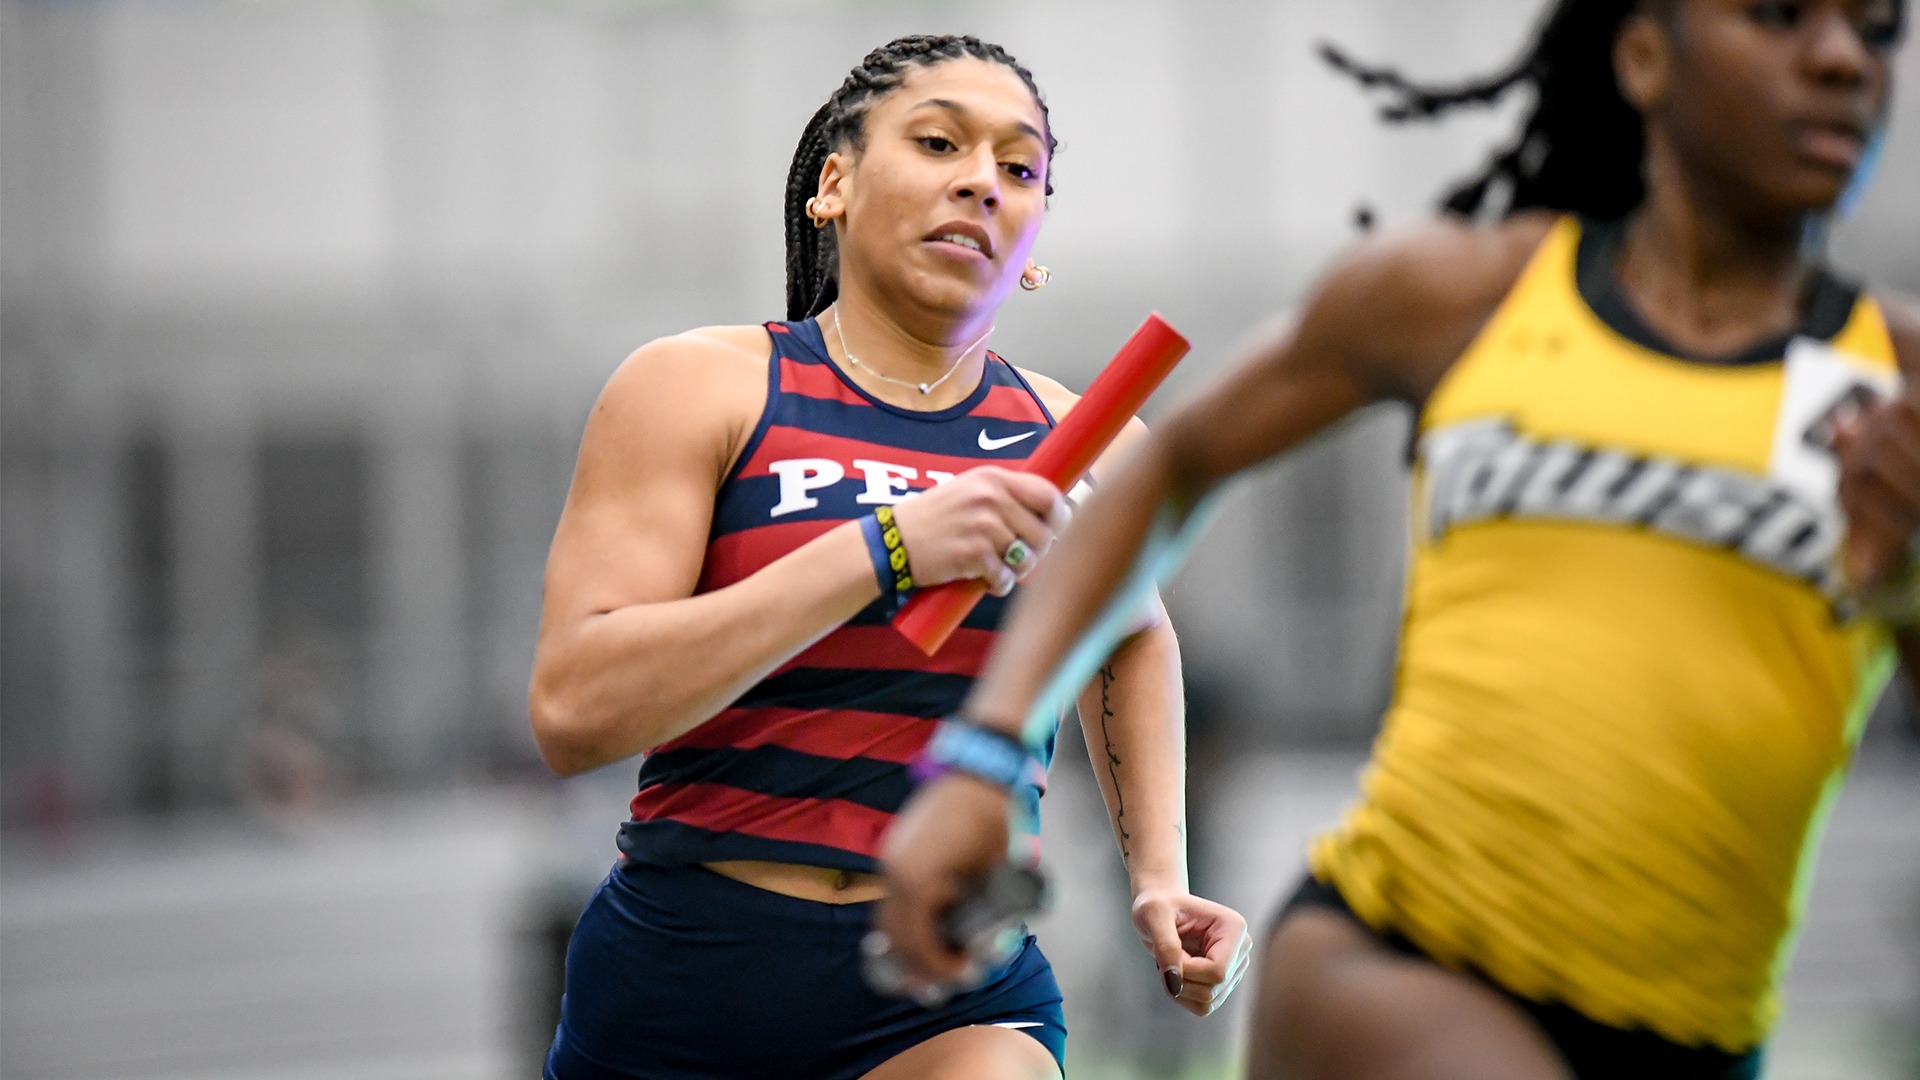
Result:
pixel 1579 149
pixel 1580 146
pixel 813 278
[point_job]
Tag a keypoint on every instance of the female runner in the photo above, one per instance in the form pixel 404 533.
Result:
pixel 1630 672
pixel 737 535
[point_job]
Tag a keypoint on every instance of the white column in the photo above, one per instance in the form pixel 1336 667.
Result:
pixel 90 592
pixel 215 603
pixel 420 678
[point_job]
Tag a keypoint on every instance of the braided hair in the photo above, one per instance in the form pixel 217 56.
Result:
pixel 1579 149
pixel 813 263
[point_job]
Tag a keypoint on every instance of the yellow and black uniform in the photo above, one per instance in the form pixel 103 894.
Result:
pixel 1628 682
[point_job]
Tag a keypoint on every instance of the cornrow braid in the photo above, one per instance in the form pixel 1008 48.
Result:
pixel 811 253
pixel 1579 148
pixel 813 262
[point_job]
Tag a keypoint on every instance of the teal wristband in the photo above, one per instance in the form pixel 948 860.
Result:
pixel 998 758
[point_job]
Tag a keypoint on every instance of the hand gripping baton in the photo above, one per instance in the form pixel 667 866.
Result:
pixel 988 926
pixel 932 615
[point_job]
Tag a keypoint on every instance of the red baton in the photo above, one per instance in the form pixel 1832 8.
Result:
pixel 1063 457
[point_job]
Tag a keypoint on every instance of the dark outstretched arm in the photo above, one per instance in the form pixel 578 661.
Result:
pixel 1386 324
pixel 1881 490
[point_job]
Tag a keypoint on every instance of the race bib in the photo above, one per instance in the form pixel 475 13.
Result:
pixel 1822 388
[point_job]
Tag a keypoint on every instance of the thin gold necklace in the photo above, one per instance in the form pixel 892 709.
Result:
pixel 924 388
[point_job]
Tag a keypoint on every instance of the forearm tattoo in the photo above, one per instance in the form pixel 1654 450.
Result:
pixel 1113 764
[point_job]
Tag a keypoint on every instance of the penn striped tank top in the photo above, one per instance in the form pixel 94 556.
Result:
pixel 810 765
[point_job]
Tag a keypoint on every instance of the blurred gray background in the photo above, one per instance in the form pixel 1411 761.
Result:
pixel 302 307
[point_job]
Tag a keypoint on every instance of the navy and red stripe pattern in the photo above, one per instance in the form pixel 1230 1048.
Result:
pixel 810 765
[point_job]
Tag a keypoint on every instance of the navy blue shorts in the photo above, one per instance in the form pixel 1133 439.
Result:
pixel 677 973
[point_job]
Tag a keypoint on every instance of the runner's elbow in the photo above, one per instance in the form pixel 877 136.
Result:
pixel 578 729
pixel 571 738
pixel 556 731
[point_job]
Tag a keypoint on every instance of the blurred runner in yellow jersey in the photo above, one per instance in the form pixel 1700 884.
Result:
pixel 1665 482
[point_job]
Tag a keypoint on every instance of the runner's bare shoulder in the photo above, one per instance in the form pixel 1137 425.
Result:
pixel 702 391
pixel 1403 304
pixel 1060 401
pixel 1052 393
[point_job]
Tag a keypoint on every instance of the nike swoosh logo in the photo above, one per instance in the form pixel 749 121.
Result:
pixel 988 443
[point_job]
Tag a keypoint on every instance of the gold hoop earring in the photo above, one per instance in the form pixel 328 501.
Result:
pixel 1035 277
pixel 816 213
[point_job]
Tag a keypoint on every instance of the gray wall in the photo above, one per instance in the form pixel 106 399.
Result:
pixel 302 306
